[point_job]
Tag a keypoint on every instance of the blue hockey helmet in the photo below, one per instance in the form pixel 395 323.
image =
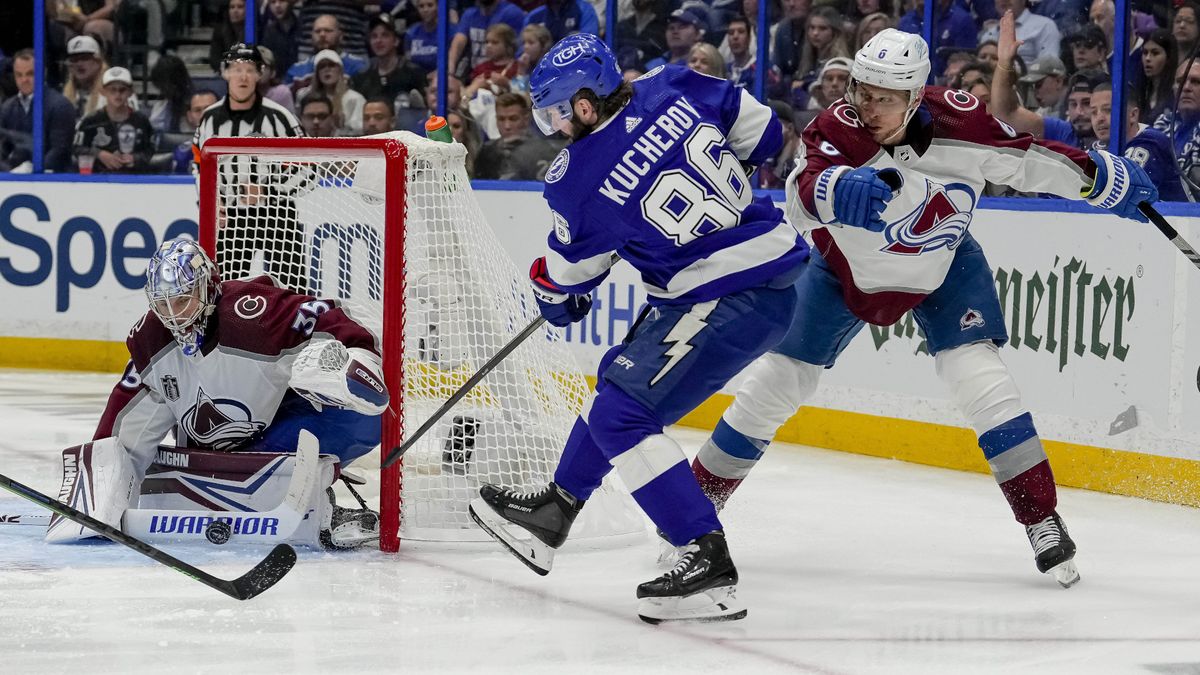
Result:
pixel 182 285
pixel 579 61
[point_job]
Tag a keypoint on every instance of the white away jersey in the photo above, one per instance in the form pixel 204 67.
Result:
pixel 224 398
pixel 954 148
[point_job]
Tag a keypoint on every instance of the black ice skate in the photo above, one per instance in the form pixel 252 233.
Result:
pixel 701 586
pixel 1053 550
pixel 348 528
pixel 529 524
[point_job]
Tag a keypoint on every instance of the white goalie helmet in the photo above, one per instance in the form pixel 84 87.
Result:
pixel 182 285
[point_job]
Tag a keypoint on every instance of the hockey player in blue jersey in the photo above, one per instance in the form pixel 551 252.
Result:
pixel 656 173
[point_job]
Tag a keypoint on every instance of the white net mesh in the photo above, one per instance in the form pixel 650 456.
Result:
pixel 317 223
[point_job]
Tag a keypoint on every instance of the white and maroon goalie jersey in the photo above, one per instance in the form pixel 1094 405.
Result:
pixel 224 397
pixel 952 150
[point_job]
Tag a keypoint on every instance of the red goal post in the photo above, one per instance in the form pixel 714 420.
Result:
pixel 390 226
pixel 393 154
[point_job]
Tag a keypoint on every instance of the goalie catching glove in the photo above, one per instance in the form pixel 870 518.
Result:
pixel 327 373
pixel 558 306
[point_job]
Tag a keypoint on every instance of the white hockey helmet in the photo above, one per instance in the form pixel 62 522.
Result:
pixel 892 59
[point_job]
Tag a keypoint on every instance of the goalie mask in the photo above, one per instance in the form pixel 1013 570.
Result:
pixel 182 286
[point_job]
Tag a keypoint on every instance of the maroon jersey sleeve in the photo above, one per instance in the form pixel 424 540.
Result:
pixel 257 316
pixel 147 338
pixel 120 398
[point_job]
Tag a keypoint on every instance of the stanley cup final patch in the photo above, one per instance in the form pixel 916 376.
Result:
pixel 972 319
pixel 170 387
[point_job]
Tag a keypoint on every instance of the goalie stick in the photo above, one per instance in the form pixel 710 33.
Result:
pixel 287 517
pixel 264 575
pixel 1170 232
pixel 147 524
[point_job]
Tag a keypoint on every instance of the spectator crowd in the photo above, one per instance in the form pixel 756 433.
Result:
pixel 127 81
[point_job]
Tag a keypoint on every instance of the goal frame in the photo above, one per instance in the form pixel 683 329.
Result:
pixel 395 155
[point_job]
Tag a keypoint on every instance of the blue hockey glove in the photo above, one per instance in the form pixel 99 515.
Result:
pixel 859 197
pixel 559 307
pixel 1120 186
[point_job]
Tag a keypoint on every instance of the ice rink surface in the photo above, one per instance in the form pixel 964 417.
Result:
pixel 849 564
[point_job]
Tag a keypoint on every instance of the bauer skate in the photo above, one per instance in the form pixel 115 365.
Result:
pixel 701 586
pixel 531 525
pixel 348 528
pixel 1053 550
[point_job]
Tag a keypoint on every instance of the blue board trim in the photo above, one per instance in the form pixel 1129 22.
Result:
pixel 1185 209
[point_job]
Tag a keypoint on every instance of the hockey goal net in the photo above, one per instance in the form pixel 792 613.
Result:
pixel 390 226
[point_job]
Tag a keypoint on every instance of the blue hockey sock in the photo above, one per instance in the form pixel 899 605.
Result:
pixel 583 465
pixel 1012 448
pixel 657 474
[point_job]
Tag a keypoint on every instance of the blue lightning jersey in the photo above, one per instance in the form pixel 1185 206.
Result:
pixel 1151 150
pixel 662 183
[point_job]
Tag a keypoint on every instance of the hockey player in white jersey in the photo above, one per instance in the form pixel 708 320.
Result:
pixel 888 180
pixel 230 366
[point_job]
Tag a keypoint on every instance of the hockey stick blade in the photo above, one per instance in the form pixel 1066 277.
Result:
pixel 264 575
pixel 28 519
pixel 1170 232
pixel 398 451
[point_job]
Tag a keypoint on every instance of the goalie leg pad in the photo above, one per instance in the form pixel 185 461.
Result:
pixel 189 479
pixel 99 480
pixel 252 483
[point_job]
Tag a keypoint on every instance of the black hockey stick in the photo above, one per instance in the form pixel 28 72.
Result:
pixel 264 575
pixel 398 451
pixel 1170 232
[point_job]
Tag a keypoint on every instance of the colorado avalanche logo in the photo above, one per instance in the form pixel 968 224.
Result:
pixel 960 100
pixel 250 306
pixel 846 114
pixel 219 423
pixel 973 318
pixel 938 222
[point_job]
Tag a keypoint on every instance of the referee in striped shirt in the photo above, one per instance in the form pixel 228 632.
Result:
pixel 257 206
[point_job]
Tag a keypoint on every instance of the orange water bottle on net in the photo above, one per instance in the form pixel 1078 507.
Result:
pixel 438 129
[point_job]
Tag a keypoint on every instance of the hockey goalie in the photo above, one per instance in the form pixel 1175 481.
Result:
pixel 238 369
